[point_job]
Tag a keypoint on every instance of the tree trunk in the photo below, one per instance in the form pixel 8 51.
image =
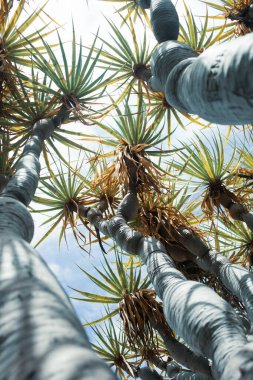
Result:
pixel 40 335
pixel 146 373
pixel 206 322
pixel 175 372
pixel 182 354
pixel 235 278
pixel 216 85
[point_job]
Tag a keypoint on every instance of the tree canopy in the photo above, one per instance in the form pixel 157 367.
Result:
pixel 138 146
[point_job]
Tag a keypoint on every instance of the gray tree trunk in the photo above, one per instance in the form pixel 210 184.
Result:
pixel 216 85
pixel 175 372
pixel 206 322
pixel 146 373
pixel 40 336
pixel 235 278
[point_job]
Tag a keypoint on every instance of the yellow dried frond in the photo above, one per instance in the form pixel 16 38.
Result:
pixel 103 191
pixel 213 195
pixel 243 256
pixel 71 218
pixel 148 177
pixel 139 311
pixel 242 12
pixel 159 218
pixel 241 4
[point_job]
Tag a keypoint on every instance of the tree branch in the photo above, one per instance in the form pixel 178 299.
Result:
pixel 24 182
pixel 213 319
pixel 235 278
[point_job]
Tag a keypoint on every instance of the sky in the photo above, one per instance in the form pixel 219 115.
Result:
pixel 88 18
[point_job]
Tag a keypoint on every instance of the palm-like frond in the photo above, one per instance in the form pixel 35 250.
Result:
pixel 240 12
pixel 246 169
pixel 199 36
pixel 15 38
pixel 183 199
pixel 117 283
pixel 136 304
pixel 206 162
pixel 207 165
pixel 75 85
pixel 15 49
pixel 100 192
pixel 23 108
pixel 132 128
pixel 235 237
pixel 62 197
pixel 159 217
pixel 125 57
pixel 131 9
pixel 160 110
pixel 134 139
pixel 111 345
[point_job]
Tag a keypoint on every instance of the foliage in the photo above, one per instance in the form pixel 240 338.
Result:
pixel 117 132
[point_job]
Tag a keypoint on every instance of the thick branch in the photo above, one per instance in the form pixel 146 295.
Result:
pixel 41 337
pixel 175 372
pixel 146 373
pixel 237 210
pixel 195 312
pixel 24 182
pixel 192 309
pixel 197 86
pixel 164 18
pixel 235 278
pixel 183 354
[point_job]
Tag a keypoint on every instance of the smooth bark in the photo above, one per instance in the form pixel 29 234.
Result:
pixel 193 310
pixel 40 335
pixel 175 372
pixel 23 184
pixel 164 20
pixel 183 354
pixel 236 279
pixel 146 373
pixel 216 85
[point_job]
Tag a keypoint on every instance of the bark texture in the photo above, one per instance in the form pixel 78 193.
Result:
pixel 147 373
pixel 216 85
pixel 193 310
pixel 40 336
pixel 164 20
pixel 23 184
pixel 183 354
pixel 236 279
pixel 175 372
